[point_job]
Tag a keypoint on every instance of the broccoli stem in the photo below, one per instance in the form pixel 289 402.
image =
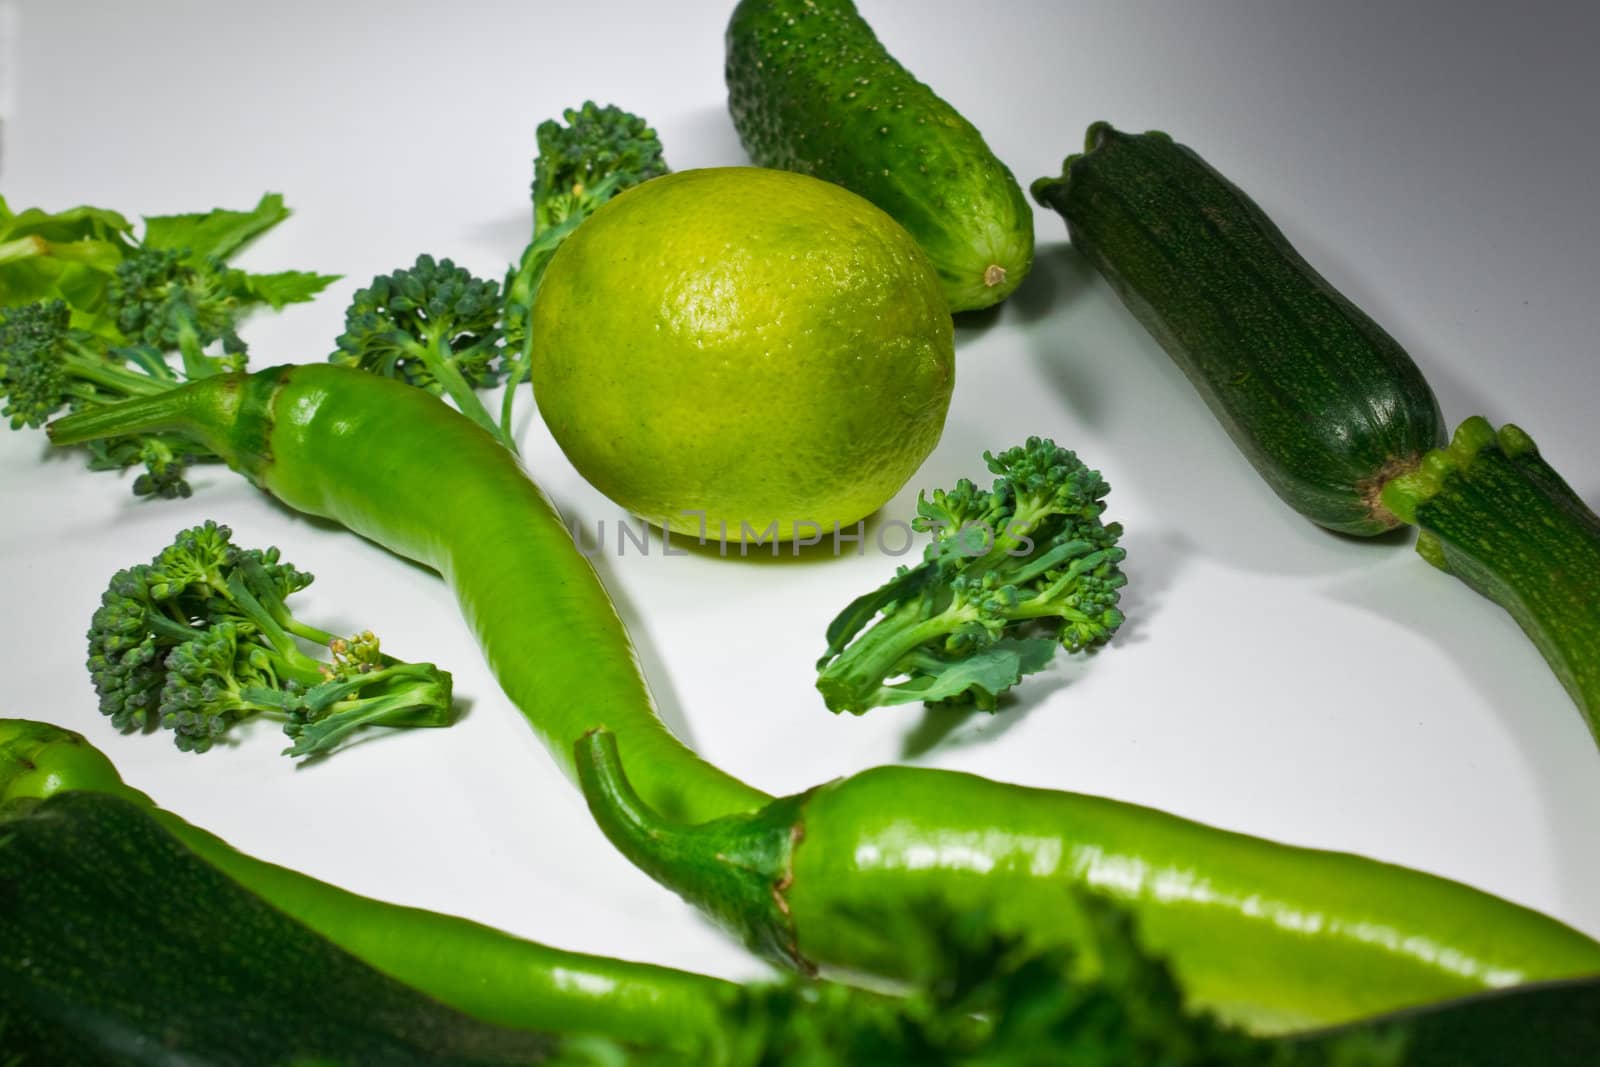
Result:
pixel 854 680
pixel 1493 513
pixel 192 351
pixel 525 286
pixel 83 365
pixel 408 695
pixel 435 355
pixel 270 619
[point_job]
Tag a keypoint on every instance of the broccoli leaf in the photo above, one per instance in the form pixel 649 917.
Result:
pixel 908 583
pixel 82 223
pixel 979 678
pixel 284 287
pixel 219 232
pixel 1026 561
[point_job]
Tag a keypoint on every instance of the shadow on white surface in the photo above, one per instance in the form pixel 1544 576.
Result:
pixel 657 673
pixel 694 137
pixel 1497 660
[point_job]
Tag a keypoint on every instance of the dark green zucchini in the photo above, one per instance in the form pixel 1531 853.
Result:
pixel 1325 404
pixel 1493 513
pixel 120 946
pixel 812 90
pixel 1551 1024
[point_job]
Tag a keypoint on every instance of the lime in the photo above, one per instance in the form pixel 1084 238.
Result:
pixel 744 352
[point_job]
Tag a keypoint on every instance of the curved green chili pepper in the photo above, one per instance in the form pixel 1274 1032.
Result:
pixel 470 967
pixel 327 441
pixel 1342 935
pixel 1270 934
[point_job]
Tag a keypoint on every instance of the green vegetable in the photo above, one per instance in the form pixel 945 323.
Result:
pixel 87 315
pixel 73 256
pixel 1231 912
pixel 200 638
pixel 1322 401
pixel 47 364
pixel 600 152
pixel 122 947
pixel 1326 405
pixel 161 301
pixel 432 325
pixel 1276 936
pixel 436 326
pixel 1552 1024
pixel 1037 1001
pixel 98 865
pixel 1013 573
pixel 1492 512
pixel 68 256
pixel 470 967
pixel 984 999
pixel 813 90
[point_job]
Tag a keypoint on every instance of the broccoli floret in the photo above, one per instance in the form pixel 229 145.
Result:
pixel 433 325
pixel 1012 573
pixel 201 638
pixel 598 153
pixel 165 299
pixel 46 364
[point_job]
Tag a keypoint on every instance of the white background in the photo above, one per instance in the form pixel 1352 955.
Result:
pixel 1436 162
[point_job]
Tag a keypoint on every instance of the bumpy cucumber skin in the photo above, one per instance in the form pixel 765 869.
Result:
pixel 1322 401
pixel 812 90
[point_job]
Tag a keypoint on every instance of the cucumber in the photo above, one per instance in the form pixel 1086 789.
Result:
pixel 1325 404
pixel 812 90
pixel 120 946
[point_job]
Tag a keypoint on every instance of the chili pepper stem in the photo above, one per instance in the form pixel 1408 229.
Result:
pixel 734 868
pixel 206 411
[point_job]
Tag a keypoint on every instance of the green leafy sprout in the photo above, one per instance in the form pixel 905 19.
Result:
pixel 89 316
pixel 1013 573
pixel 201 638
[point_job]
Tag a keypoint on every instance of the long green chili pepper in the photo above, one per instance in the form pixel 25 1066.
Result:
pixel 1269 934
pixel 473 968
pixel 1274 935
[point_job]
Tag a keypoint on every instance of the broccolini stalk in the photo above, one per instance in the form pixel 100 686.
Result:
pixel 1013 573
pixel 46 364
pixel 433 325
pixel 1492 512
pixel 599 153
pixel 200 638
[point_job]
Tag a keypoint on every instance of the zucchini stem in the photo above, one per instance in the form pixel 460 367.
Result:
pixel 1492 512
